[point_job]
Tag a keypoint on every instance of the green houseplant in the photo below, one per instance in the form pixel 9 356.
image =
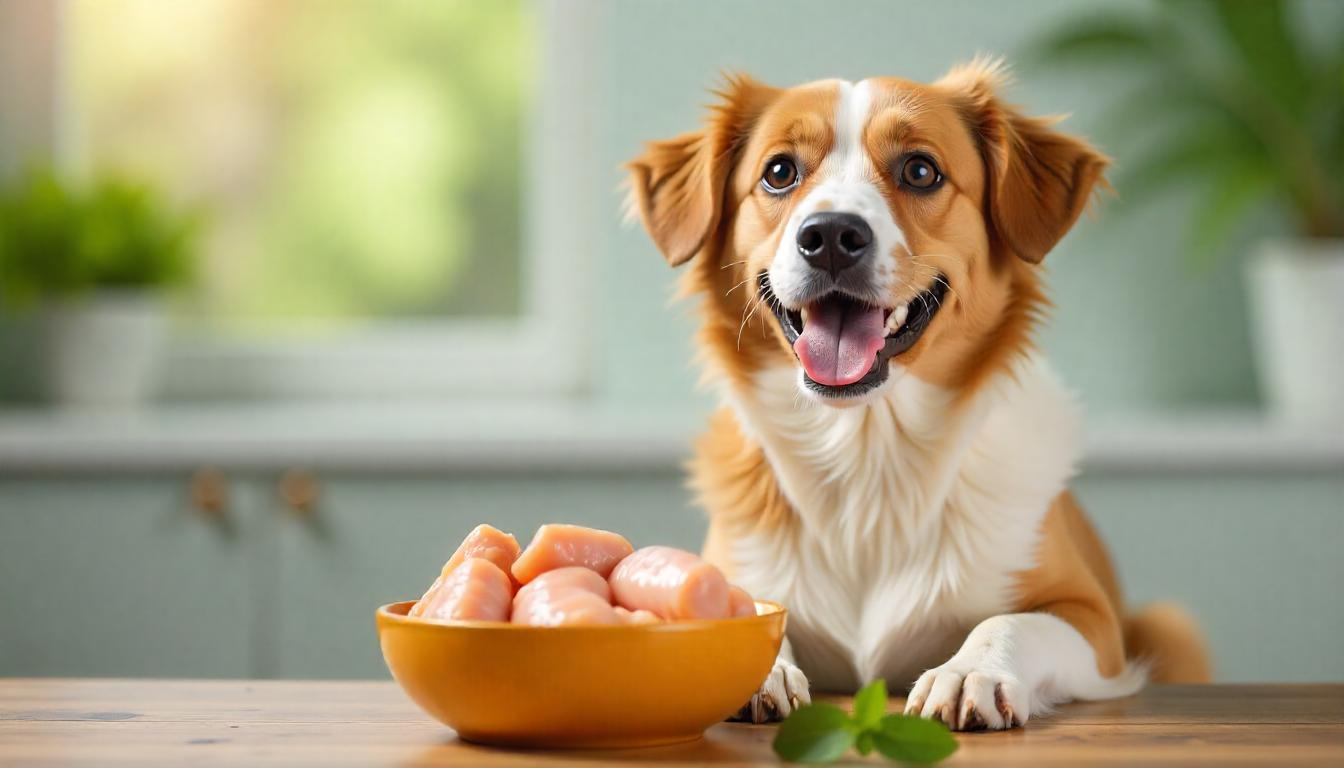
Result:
pixel 1250 107
pixel 84 269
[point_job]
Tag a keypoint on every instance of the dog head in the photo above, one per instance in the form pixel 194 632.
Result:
pixel 860 231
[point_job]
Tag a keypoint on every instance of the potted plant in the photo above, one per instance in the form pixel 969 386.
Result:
pixel 86 270
pixel 1252 111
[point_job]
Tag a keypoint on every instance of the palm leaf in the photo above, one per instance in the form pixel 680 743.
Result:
pixel 1223 210
pixel 1328 128
pixel 1098 39
pixel 1198 151
pixel 1268 53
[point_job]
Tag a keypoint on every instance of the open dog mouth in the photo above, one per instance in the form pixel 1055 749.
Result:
pixel 844 343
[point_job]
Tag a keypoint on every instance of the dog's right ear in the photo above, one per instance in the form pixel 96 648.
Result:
pixel 1039 179
pixel 678 185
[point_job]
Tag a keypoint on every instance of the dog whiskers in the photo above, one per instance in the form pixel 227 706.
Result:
pixel 735 287
pixel 934 273
pixel 754 307
pixel 775 306
pixel 748 311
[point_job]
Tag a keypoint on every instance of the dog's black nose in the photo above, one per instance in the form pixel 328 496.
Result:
pixel 834 241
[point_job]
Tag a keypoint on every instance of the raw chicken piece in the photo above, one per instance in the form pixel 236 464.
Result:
pixel 573 595
pixel 565 608
pixel 672 583
pixel 476 589
pixel 488 543
pixel 484 542
pixel 570 578
pixel 560 546
pixel 740 602
pixel 637 617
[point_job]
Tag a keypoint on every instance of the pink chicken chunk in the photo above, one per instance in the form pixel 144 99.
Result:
pixel 740 602
pixel 487 543
pixel 484 542
pixel 671 583
pixel 561 546
pixel 637 617
pixel 475 590
pixel 565 596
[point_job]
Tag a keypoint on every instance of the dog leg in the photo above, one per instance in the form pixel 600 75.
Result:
pixel 784 690
pixel 1011 667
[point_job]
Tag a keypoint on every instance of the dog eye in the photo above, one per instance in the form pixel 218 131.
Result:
pixel 921 173
pixel 781 175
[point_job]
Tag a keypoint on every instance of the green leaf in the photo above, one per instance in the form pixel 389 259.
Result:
pixel 1224 209
pixel 1197 152
pixel 870 704
pixel 914 739
pixel 1177 97
pixel 1104 38
pixel 816 733
pixel 1259 32
pixel 863 742
pixel 58 239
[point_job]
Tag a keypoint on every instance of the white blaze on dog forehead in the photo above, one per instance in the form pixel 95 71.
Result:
pixel 848 184
pixel 848 161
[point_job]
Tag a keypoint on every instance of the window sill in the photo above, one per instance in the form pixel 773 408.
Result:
pixel 550 437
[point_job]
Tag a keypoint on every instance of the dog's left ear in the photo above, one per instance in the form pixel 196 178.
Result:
pixel 678 185
pixel 1038 179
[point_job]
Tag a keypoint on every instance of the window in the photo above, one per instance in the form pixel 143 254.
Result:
pixel 365 170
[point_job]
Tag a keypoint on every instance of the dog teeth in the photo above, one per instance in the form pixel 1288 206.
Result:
pixel 897 318
pixel 803 314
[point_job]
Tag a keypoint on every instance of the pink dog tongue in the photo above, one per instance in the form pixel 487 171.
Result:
pixel 840 341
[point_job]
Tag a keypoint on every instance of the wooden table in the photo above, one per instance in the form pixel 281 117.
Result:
pixel 237 723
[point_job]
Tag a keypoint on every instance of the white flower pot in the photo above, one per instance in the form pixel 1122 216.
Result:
pixel 103 350
pixel 1296 290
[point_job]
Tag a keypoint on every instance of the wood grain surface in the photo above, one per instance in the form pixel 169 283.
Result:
pixel 66 722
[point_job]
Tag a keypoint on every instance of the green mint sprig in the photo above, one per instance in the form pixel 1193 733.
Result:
pixel 823 733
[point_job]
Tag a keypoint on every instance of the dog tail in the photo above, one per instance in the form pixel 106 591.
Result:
pixel 1166 637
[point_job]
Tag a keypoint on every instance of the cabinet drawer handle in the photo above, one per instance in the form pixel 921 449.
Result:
pixel 300 492
pixel 209 491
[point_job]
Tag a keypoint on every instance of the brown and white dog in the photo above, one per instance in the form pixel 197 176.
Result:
pixel 891 458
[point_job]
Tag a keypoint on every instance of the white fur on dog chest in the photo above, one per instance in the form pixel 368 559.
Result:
pixel 911 521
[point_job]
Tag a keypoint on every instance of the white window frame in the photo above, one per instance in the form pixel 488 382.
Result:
pixel 543 352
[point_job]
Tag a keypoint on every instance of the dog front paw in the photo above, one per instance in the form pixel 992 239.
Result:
pixel 973 699
pixel 784 690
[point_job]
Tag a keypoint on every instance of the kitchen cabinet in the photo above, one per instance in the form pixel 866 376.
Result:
pixel 364 543
pixel 372 540
pixel 122 576
pixel 116 573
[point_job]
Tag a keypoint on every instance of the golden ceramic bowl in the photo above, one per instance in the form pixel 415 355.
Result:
pixel 623 686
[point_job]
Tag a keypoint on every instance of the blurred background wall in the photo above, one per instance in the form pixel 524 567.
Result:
pixel 251 529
